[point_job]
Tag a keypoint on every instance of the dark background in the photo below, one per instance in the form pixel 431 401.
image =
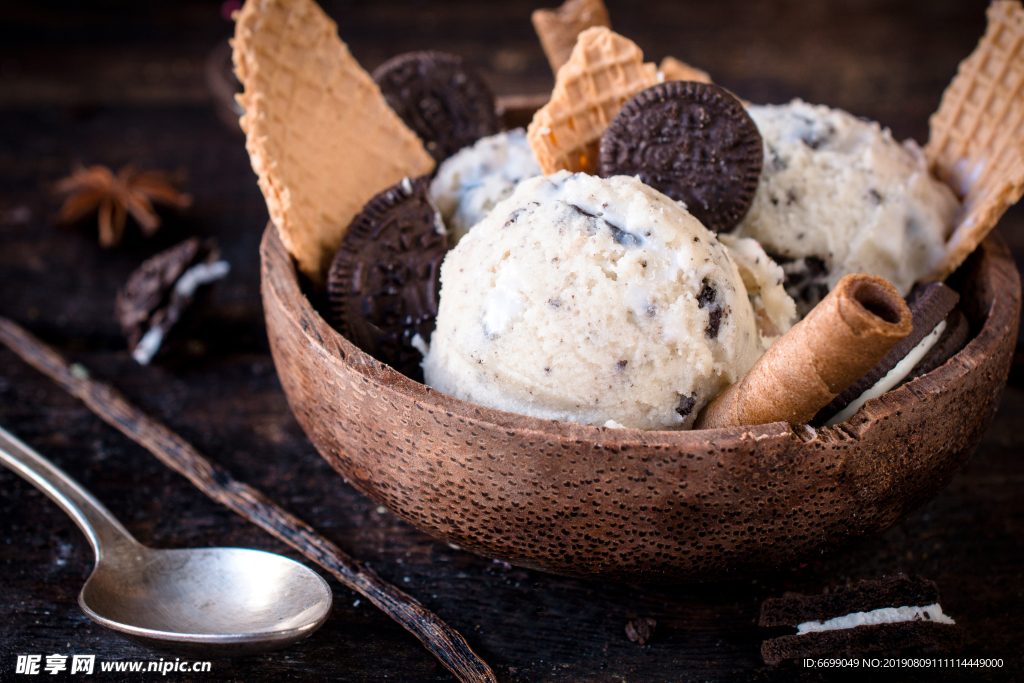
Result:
pixel 117 82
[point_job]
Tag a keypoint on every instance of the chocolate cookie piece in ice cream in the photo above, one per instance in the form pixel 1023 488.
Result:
pixel 591 300
pixel 839 195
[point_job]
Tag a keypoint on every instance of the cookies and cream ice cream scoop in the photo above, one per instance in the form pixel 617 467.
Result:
pixel 839 195
pixel 591 300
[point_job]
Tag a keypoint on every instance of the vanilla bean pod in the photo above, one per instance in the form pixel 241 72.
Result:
pixel 440 639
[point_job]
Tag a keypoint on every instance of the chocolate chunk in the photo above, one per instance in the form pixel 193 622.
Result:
pixel 707 298
pixel 160 292
pixel 929 304
pixel 445 102
pixel 384 283
pixel 806 280
pixel 706 294
pixel 513 217
pixel 693 141
pixel 686 404
pixel 622 237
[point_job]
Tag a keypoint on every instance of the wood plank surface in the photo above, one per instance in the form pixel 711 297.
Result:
pixel 118 82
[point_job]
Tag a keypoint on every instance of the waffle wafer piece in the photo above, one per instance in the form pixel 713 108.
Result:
pixel 604 71
pixel 671 69
pixel 320 135
pixel 977 135
pixel 558 28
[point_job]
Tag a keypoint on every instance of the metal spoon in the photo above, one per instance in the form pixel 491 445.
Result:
pixel 218 602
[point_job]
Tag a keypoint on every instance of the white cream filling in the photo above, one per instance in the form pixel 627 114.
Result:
pixel 893 377
pixel 193 278
pixel 200 274
pixel 420 344
pixel 148 346
pixel 885 615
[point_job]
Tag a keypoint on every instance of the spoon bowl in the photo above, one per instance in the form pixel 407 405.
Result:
pixel 233 600
pixel 214 602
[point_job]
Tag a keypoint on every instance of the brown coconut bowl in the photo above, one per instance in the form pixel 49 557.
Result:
pixel 628 504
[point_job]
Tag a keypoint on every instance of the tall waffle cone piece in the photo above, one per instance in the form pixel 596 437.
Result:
pixel 603 71
pixel 558 28
pixel 977 135
pixel 320 135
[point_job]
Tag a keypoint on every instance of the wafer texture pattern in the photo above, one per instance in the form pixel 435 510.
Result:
pixel 976 143
pixel 604 70
pixel 558 28
pixel 320 135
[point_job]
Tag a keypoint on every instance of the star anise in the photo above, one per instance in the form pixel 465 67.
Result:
pixel 114 197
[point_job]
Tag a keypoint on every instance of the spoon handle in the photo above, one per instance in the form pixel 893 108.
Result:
pixel 95 521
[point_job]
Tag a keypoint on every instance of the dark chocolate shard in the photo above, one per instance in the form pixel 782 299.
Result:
pixel 930 304
pixel 621 237
pixel 686 404
pixel 384 285
pixel 446 103
pixel 693 141
pixel 514 216
pixel 707 298
pixel 583 212
pixel 160 292
pixel 806 280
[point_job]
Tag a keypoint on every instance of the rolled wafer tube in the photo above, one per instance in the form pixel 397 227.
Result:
pixel 842 338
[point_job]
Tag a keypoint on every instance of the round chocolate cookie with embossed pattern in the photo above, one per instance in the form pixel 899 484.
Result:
pixel 446 103
pixel 384 282
pixel 693 141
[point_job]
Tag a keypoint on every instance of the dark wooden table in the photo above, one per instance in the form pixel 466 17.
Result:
pixel 119 82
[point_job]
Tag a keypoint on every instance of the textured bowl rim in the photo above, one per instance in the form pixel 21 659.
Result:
pixel 1003 310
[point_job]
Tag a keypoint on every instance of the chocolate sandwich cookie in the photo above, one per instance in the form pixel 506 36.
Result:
pixel 953 338
pixel 161 291
pixel 936 337
pixel 693 141
pixel 384 283
pixel 896 613
pixel 445 102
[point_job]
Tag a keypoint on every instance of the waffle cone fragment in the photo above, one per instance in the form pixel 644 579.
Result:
pixel 558 28
pixel 603 71
pixel 320 135
pixel 976 142
pixel 671 69
pixel 842 338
